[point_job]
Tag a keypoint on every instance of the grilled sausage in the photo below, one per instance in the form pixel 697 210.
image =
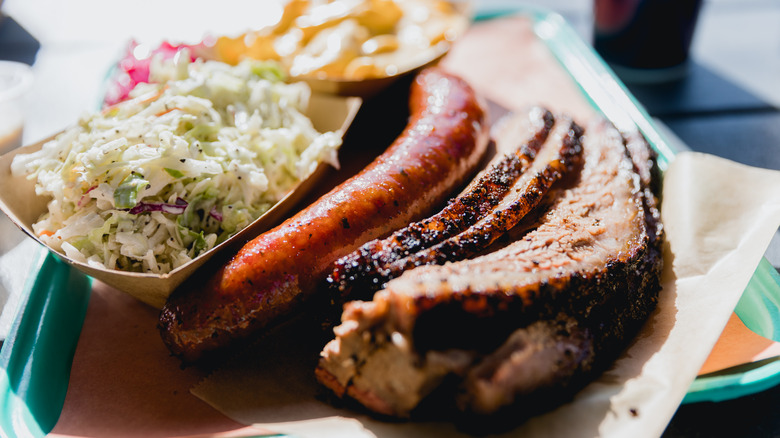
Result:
pixel 442 144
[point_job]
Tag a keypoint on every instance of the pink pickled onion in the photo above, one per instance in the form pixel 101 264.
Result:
pixel 215 214
pixel 131 70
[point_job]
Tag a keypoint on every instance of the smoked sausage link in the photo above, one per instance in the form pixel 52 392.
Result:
pixel 272 275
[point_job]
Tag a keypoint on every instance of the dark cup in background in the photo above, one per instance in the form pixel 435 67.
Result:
pixel 645 40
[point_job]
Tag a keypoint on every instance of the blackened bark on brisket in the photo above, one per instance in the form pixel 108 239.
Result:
pixel 524 326
pixel 541 149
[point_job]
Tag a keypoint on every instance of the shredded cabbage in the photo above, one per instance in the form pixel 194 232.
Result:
pixel 187 161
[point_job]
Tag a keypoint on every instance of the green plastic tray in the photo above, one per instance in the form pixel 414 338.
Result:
pixel 36 357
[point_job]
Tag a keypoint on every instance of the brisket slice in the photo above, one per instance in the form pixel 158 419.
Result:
pixel 521 328
pixel 540 148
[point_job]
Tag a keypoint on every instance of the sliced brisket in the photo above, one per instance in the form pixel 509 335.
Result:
pixel 528 322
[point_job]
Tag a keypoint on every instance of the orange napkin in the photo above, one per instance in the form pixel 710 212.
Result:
pixel 738 345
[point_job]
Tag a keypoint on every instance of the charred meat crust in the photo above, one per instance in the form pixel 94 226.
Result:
pixel 495 321
pixel 493 204
pixel 363 268
pixel 527 195
pixel 272 275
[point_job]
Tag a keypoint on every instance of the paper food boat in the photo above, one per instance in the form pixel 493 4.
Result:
pixel 19 201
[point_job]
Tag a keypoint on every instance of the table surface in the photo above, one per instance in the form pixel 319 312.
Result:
pixel 727 105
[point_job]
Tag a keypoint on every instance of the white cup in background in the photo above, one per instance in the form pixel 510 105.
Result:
pixel 15 81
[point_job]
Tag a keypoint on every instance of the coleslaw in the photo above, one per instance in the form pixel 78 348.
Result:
pixel 188 160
